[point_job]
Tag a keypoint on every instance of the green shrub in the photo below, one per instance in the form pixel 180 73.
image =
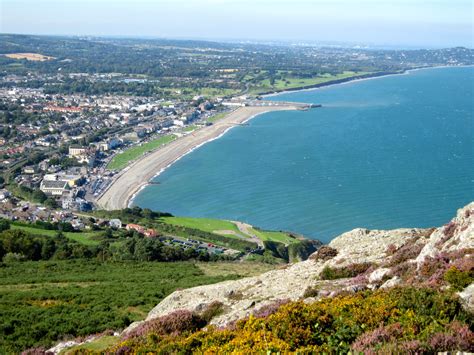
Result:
pixel 352 270
pixel 458 279
pixel 212 310
pixel 311 291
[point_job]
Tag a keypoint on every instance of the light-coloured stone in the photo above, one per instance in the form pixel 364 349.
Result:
pixel 467 296
pixel 378 274
pixel 394 281
pixel 241 297
pixel 463 236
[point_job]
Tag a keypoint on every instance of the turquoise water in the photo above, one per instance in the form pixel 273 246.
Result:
pixel 384 153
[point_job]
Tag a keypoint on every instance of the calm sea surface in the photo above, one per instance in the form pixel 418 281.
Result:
pixel 390 152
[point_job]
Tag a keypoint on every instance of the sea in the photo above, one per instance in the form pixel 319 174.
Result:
pixel 382 153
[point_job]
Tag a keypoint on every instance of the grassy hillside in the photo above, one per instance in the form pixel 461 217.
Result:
pixel 204 224
pixel 228 228
pixel 86 238
pixel 44 301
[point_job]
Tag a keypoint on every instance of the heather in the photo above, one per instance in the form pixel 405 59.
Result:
pixel 388 321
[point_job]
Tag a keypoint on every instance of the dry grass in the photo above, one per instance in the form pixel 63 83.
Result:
pixel 36 57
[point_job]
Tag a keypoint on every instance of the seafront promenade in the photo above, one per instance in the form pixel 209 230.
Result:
pixel 138 174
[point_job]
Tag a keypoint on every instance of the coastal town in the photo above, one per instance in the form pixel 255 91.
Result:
pixel 76 141
pixel 236 177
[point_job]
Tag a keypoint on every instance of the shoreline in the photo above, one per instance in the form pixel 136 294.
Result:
pixel 163 169
pixel 120 194
pixel 358 78
pixel 136 177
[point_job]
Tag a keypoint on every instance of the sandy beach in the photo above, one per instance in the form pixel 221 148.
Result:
pixel 135 177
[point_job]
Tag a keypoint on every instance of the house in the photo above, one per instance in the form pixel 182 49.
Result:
pixel 150 233
pixel 30 169
pixel 70 109
pixel 4 194
pixel 109 144
pixel 76 152
pixel 135 227
pixel 115 223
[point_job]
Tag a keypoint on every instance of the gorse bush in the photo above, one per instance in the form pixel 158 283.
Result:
pixel 459 279
pixel 399 320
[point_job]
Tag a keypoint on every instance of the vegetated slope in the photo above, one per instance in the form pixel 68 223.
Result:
pixel 43 302
pixel 406 290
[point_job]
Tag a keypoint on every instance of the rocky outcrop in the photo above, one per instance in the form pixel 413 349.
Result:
pixel 381 256
pixel 456 235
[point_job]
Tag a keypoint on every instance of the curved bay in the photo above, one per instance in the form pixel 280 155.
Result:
pixel 383 153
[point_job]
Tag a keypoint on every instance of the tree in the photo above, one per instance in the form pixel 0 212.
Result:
pixel 38 196
pixel 4 225
pixel 51 203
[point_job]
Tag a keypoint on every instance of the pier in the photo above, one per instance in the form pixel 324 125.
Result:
pixel 268 103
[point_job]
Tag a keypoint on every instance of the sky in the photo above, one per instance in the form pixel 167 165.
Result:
pixel 404 23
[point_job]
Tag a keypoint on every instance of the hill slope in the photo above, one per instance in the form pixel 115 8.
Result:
pixel 392 290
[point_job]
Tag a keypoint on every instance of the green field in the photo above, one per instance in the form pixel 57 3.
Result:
pixel 281 237
pixel 291 83
pixel 204 224
pixel 46 301
pixel 218 225
pixel 86 238
pixel 121 160
pixel 217 117
pixel 190 128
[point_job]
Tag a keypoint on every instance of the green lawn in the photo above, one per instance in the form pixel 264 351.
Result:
pixel 204 224
pixel 215 225
pixel 217 117
pixel 97 345
pixel 45 301
pixel 190 128
pixel 121 160
pixel 292 83
pixel 216 92
pixel 274 236
pixel 85 238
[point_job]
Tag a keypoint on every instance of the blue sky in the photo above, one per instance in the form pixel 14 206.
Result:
pixel 418 23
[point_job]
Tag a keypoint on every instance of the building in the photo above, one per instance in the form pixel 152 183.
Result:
pixel 150 233
pixel 115 223
pixel 30 169
pixel 4 195
pixel 71 180
pixel 70 109
pixel 75 152
pixel 109 144
pixel 53 187
pixel 83 155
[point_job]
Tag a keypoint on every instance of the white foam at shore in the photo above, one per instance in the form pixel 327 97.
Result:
pixel 406 72
pixel 144 185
